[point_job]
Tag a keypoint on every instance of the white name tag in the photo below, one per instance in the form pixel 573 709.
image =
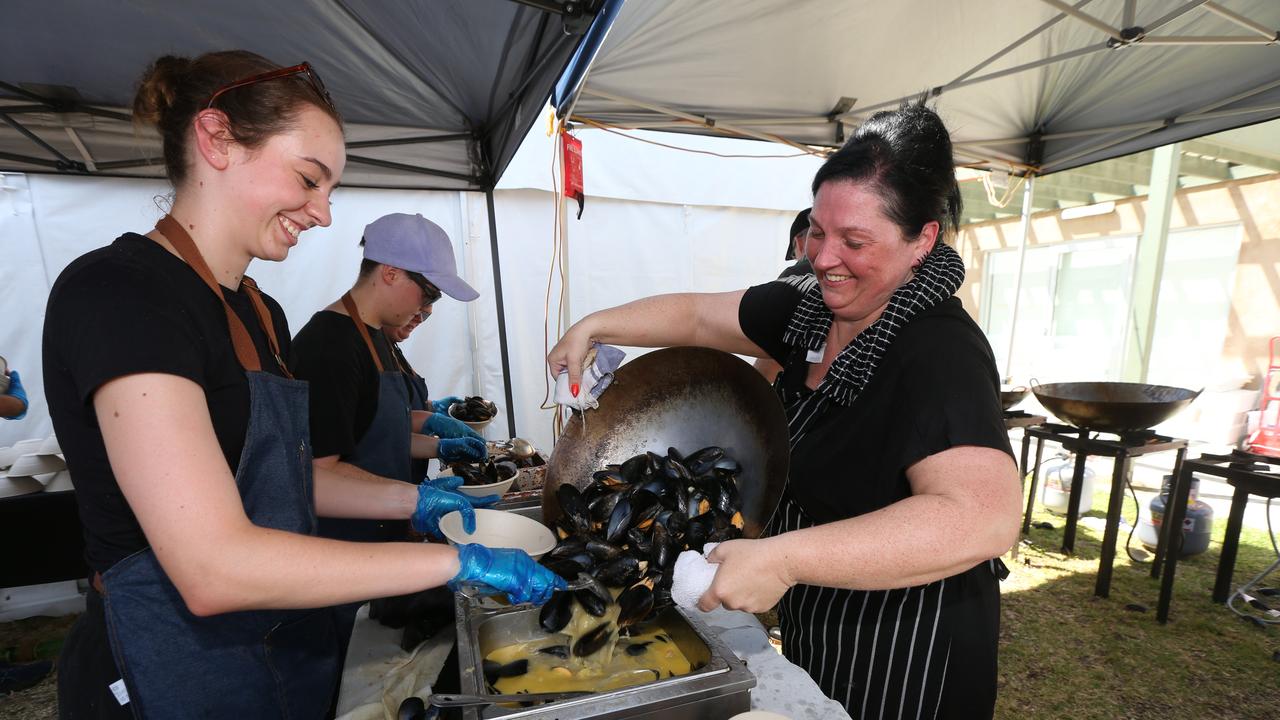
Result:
pixel 815 356
pixel 118 689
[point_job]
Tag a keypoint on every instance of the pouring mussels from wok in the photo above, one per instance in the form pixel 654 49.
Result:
pixel 619 536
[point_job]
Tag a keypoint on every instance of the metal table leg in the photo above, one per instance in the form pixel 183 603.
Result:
pixel 1035 477
pixel 1102 587
pixel 1174 513
pixel 1073 506
pixel 1230 545
pixel 1022 479
pixel 1162 537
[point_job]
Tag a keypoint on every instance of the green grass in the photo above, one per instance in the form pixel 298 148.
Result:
pixel 1067 654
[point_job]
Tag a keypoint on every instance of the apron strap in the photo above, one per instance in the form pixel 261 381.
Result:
pixel 354 312
pixel 401 362
pixel 264 320
pixel 177 236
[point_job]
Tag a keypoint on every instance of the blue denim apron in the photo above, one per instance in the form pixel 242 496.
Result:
pixel 419 399
pixel 383 450
pixel 250 664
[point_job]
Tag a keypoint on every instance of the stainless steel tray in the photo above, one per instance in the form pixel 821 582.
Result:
pixel 719 688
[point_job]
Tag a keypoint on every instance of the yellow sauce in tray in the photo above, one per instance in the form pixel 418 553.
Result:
pixel 648 655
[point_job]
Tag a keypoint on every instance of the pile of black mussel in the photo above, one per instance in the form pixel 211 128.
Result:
pixel 626 528
pixel 486 472
pixel 473 409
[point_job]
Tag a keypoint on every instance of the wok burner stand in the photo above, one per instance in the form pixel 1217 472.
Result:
pixel 1017 419
pixel 1122 449
pixel 1249 474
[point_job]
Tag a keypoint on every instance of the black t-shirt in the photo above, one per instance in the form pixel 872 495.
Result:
pixel 133 307
pixel 935 388
pixel 330 354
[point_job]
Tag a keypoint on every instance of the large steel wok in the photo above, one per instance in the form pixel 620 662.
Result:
pixel 1113 406
pixel 1010 396
pixel 687 398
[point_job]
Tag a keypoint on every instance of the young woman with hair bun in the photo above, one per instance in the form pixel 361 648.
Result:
pixel 902 491
pixel 166 375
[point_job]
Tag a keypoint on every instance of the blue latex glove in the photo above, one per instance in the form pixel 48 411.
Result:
pixel 443 426
pixel 444 482
pixel 16 390
pixel 466 449
pixel 453 482
pixel 434 503
pixel 442 405
pixel 506 570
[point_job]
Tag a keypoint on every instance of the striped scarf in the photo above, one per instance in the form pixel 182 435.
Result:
pixel 937 279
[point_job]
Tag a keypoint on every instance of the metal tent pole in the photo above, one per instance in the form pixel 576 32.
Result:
pixel 1148 264
pixel 1028 193
pixel 502 315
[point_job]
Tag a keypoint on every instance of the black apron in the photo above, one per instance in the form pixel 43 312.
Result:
pixel 260 663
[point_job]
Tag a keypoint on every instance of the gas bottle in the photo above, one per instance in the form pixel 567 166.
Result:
pixel 1196 527
pixel 1057 485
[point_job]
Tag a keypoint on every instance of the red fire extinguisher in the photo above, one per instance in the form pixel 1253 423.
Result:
pixel 1266 441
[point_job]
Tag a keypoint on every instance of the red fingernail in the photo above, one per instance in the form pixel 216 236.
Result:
pixel 573 389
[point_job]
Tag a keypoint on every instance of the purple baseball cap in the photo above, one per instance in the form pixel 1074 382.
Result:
pixel 414 243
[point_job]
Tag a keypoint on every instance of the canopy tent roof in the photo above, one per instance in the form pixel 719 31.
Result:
pixel 435 95
pixel 1033 86
pixel 1231 155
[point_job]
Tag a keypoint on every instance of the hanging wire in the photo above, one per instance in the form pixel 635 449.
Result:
pixel 1271 615
pixel 557 201
pixel 1010 191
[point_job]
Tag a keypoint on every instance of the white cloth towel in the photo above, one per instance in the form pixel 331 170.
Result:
pixel 597 374
pixel 692 576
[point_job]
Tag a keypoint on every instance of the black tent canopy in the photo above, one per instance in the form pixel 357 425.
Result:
pixel 436 95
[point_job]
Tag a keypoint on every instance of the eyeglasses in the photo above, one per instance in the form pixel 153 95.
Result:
pixel 430 293
pixel 303 69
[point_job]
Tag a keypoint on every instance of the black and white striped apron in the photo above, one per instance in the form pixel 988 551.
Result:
pixel 887 654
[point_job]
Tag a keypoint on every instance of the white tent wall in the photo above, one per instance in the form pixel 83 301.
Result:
pixel 633 240
pixel 46 221
pixel 620 250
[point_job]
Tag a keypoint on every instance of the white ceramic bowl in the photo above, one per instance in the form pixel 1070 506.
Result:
pixel 499 488
pixel 477 426
pixel 7 456
pixel 477 491
pixel 60 482
pixel 25 447
pixel 501 529
pixel 50 446
pixel 32 464
pixel 12 486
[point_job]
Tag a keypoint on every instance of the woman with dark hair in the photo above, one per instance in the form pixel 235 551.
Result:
pixel 165 372
pixel 902 489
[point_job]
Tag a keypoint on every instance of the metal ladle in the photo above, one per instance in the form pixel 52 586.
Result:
pixel 522 449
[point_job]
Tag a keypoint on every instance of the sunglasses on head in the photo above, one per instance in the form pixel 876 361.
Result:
pixel 303 69
pixel 430 293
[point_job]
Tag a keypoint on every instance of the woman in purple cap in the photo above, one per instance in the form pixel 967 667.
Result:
pixel 189 440
pixel 363 420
